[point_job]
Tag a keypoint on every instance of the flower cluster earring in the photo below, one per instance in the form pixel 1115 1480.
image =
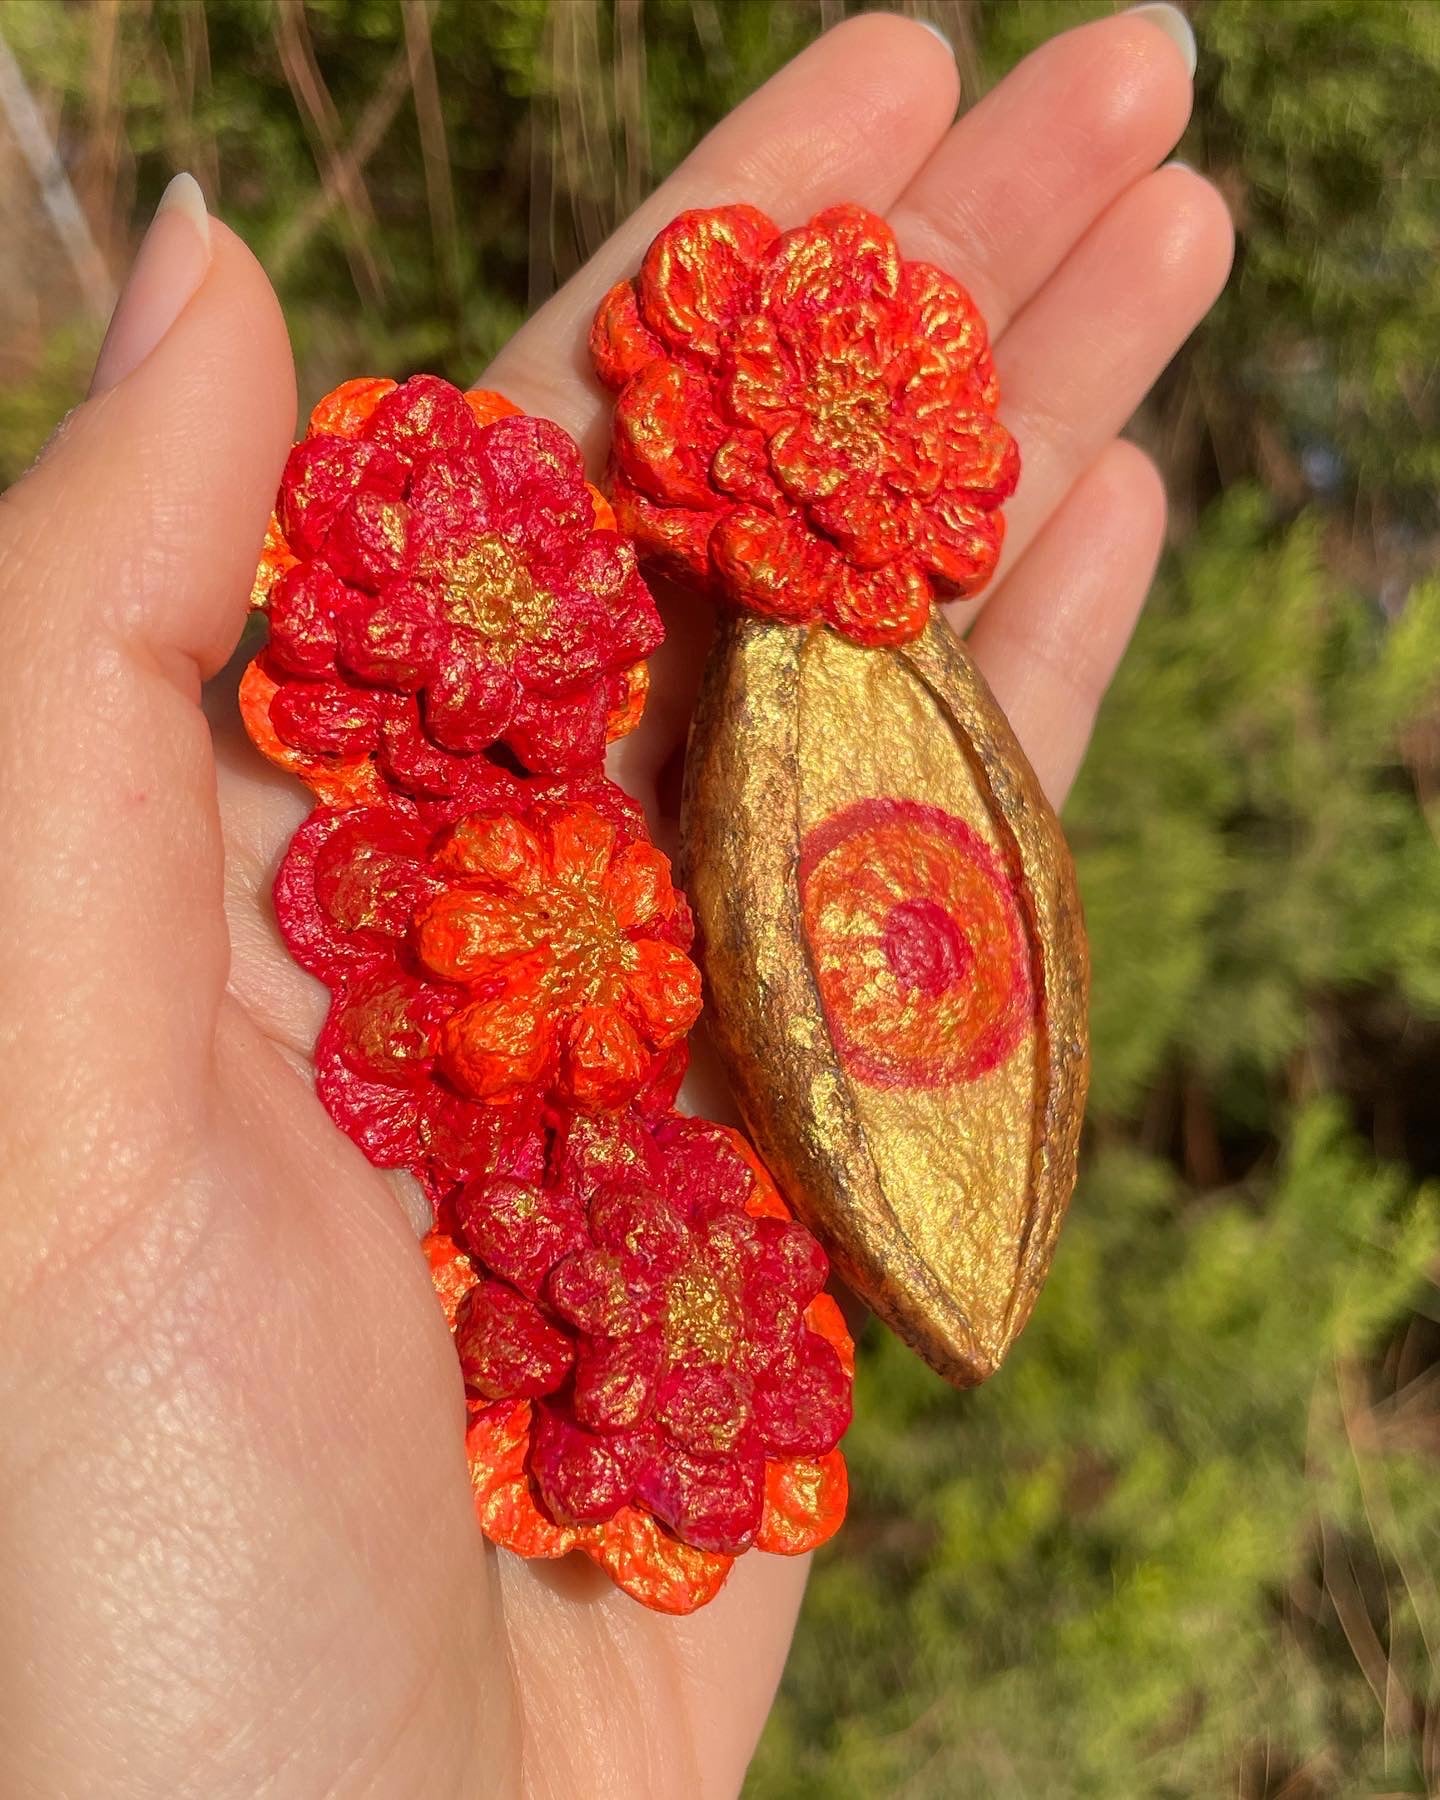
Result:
pixel 654 1374
pixel 805 431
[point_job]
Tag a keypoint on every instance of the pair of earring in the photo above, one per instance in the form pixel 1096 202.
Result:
pixel 804 429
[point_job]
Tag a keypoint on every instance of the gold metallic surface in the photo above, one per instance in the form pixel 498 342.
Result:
pixel 940 1204
pixel 700 1316
pixel 487 588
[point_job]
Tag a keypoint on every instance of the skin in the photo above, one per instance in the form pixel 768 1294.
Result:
pixel 237 1555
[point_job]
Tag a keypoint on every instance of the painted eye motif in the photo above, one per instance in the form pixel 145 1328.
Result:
pixel 917 944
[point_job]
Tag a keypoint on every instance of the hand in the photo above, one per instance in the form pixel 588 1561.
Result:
pixel 236 1547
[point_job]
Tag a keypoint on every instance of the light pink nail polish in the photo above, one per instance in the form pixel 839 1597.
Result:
pixel 171 264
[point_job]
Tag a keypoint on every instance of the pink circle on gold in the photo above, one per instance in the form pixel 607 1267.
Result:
pixel 917 944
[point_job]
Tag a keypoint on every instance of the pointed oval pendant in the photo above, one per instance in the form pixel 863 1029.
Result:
pixel 897 967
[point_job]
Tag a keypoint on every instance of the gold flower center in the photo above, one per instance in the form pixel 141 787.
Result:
pixel 564 938
pixel 848 411
pixel 487 588
pixel 700 1315
pixel 589 952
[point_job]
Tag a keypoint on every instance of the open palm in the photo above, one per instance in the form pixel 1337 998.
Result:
pixel 237 1554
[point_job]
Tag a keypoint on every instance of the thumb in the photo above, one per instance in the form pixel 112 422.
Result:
pixel 126 557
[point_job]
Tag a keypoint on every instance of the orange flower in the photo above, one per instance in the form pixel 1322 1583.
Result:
pixel 804 422
pixel 584 962
pixel 558 929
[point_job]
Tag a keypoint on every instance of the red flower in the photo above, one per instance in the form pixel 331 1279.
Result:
pixel 439 570
pixel 661 1324
pixel 805 423
pixel 528 953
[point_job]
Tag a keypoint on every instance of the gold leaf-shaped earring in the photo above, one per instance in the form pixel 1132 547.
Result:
pixel 805 429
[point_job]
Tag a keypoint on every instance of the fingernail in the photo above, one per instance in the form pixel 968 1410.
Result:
pixel 171 264
pixel 935 31
pixel 1176 27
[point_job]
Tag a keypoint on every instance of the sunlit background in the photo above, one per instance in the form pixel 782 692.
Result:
pixel 1188 1543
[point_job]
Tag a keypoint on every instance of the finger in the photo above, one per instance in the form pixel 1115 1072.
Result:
pixel 850 118
pixel 1051 641
pixel 1083 354
pixel 127 557
pixel 1024 174
pixel 716 1671
pixel 648 762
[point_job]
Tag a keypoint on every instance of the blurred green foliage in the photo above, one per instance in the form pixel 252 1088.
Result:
pixel 1188 1542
